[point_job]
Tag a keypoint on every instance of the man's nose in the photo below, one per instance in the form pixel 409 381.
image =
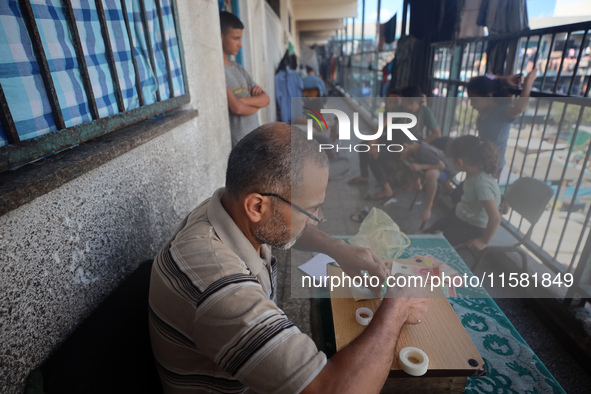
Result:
pixel 311 222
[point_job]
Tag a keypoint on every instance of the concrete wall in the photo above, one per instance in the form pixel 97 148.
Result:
pixel 286 10
pixel 62 253
pixel 252 14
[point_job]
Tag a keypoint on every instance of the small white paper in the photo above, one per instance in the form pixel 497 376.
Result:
pixel 398 268
pixel 316 266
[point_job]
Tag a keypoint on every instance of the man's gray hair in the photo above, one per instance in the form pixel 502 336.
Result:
pixel 271 159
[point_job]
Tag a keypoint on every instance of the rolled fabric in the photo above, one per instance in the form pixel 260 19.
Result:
pixel 364 321
pixel 413 361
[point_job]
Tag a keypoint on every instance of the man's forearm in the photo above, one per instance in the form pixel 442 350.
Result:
pixel 259 101
pixel 352 259
pixel 315 240
pixel 238 107
pixel 435 133
pixel 363 366
pixel 243 109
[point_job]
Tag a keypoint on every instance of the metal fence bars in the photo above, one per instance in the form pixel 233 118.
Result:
pixel 550 141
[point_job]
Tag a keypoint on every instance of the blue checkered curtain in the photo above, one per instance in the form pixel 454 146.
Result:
pixel 174 55
pixel 20 75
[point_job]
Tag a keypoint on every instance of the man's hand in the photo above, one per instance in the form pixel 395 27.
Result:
pixel 256 90
pixel 413 299
pixel 364 364
pixel 415 167
pixel 417 309
pixel 353 259
pixel 257 99
pixel 237 105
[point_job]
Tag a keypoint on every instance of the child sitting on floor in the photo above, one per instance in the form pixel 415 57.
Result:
pixel 476 217
pixel 413 101
pixel 428 160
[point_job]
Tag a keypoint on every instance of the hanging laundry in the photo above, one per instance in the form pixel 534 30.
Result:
pixel 387 32
pixel 502 16
pixel 468 26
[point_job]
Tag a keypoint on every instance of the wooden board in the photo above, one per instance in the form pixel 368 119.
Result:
pixel 423 385
pixel 440 335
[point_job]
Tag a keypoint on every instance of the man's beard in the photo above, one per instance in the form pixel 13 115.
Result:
pixel 276 233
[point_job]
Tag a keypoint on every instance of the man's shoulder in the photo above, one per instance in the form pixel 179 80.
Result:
pixel 424 146
pixel 235 67
pixel 427 146
pixel 424 109
pixel 200 253
pixel 233 64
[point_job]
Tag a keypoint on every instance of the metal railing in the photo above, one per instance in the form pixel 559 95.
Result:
pixel 550 141
pixel 360 73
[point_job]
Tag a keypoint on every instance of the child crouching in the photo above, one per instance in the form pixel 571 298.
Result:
pixel 476 217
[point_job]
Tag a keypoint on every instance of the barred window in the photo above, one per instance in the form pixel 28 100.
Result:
pixel 72 70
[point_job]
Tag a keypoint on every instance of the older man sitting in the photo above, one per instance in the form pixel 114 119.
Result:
pixel 213 321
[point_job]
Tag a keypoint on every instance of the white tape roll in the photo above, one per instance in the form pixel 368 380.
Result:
pixel 364 321
pixel 413 361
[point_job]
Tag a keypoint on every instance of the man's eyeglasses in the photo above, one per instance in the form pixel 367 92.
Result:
pixel 318 219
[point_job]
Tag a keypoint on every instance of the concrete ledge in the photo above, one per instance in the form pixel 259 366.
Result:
pixel 24 184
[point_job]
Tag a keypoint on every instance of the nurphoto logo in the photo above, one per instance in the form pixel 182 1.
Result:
pixel 393 125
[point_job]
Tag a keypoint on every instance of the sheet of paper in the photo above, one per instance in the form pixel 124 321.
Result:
pixel 398 268
pixel 438 268
pixel 316 266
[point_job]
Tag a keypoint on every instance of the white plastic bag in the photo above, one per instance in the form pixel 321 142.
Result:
pixel 381 234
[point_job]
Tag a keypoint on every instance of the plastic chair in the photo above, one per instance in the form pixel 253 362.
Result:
pixel 528 197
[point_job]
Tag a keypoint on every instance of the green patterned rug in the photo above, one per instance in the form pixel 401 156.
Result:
pixel 511 364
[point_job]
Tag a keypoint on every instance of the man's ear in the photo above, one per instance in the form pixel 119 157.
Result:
pixel 256 207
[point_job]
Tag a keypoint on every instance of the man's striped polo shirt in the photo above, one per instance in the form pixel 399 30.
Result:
pixel 214 323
